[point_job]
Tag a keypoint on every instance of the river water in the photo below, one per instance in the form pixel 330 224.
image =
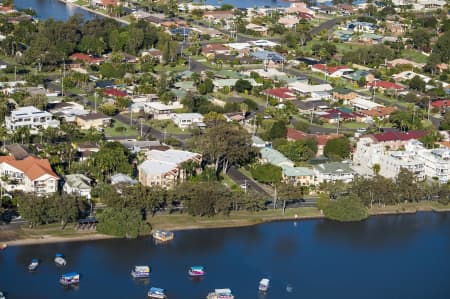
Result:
pixel 406 256
pixel 57 10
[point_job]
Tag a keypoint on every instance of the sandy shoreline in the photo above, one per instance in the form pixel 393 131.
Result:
pixel 48 239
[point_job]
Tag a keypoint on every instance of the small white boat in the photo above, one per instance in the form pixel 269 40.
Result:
pixel 156 293
pixel 69 278
pixel 163 235
pixel 3 247
pixel 220 294
pixel 196 271
pixel 60 260
pixel 33 265
pixel 2 295
pixel 140 272
pixel 264 285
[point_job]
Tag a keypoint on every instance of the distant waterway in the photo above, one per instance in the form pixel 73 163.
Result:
pixel 402 256
pixel 46 9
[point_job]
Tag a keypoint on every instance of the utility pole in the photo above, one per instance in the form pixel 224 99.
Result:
pixel 339 120
pixel 15 73
pixel 141 127
pixel 429 106
pixel 95 102
pixel 131 117
pixel 63 77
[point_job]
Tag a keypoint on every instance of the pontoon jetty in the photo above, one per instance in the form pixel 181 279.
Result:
pixel 163 235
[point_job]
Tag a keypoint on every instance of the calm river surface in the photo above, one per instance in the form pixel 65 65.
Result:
pixel 405 256
pixel 46 9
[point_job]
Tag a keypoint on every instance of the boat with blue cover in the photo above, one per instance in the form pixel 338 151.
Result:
pixel 196 271
pixel 33 265
pixel 156 293
pixel 60 260
pixel 140 272
pixel 70 278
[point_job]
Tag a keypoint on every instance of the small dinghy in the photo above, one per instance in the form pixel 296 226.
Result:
pixel 140 272
pixel 264 285
pixel 69 278
pixel 60 260
pixel 33 265
pixel 196 271
pixel 156 293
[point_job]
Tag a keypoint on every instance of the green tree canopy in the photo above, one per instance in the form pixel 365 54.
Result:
pixel 346 209
pixel 337 149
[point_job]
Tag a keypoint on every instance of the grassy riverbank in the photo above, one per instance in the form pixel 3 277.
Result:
pixel 52 233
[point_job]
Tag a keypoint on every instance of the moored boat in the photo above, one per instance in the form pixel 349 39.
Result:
pixel 220 294
pixel 69 278
pixel 3 246
pixel 156 293
pixel 33 265
pixel 264 285
pixel 140 272
pixel 163 235
pixel 60 260
pixel 2 295
pixel 196 271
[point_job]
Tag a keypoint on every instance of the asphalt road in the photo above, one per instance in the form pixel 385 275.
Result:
pixel 241 178
pixel 324 26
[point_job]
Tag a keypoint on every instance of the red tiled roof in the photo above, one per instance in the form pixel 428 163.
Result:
pixel 115 92
pixel 321 139
pixel 386 85
pixel 334 113
pixel 281 93
pixel 400 136
pixel 85 57
pixel 32 167
pixel 441 103
pixel 329 69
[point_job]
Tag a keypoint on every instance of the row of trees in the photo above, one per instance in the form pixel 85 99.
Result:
pixel 349 202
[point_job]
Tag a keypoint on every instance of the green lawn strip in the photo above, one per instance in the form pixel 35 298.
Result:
pixel 166 125
pixel 114 132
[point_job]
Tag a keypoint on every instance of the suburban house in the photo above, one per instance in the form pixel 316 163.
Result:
pixel 299 8
pixel 123 179
pixel 28 175
pixel 216 16
pixel 331 71
pixel 156 54
pixel 67 111
pixel 306 89
pixel 262 30
pixel 18 151
pixel 321 139
pixel 87 58
pixel 188 120
pixel 210 50
pixel 379 113
pixel 159 110
pixel 344 94
pixel 281 94
pixel 385 85
pixel 302 176
pixel 442 105
pixel 334 116
pixel 78 185
pixel 289 21
pixel 360 75
pixel 30 117
pixel 333 171
pixel 164 168
pixel 403 61
pixel 93 120
pixel 85 149
pixel 112 92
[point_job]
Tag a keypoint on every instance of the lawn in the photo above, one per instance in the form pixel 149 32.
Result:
pixel 120 129
pixel 354 125
pixel 414 55
pixel 165 125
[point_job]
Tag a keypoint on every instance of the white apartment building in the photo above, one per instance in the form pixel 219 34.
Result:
pixel 424 163
pixel 28 175
pixel 187 120
pixel 30 117
pixel 393 161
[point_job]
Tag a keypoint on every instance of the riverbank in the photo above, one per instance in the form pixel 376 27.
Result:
pixel 93 11
pixel 178 222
